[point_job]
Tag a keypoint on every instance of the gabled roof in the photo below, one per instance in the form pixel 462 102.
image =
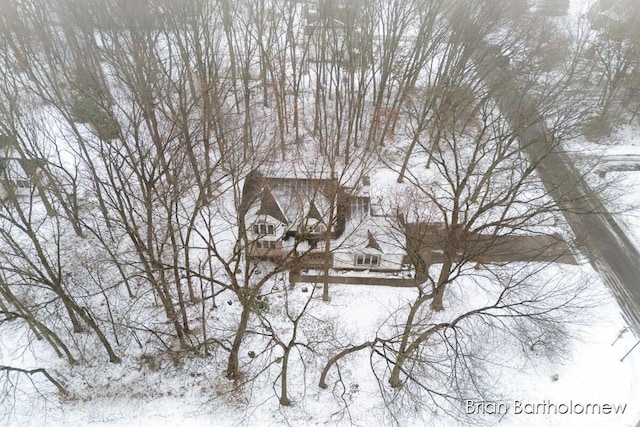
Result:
pixel 313 212
pixel 294 200
pixel 269 206
pixel 373 243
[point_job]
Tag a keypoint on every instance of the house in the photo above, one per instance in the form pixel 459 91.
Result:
pixel 15 171
pixel 371 243
pixel 329 24
pixel 294 218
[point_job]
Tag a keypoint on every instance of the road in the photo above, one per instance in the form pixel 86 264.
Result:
pixel 612 254
pixel 618 162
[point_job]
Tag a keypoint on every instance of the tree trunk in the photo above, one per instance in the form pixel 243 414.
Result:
pixel 327 261
pixel 5 310
pixel 434 146
pixel 438 292
pixel 77 327
pixel 323 376
pixel 233 363
pixel 284 399
pixel 405 162
pixel 438 295
pixel 394 380
pixel 36 326
pixel 84 314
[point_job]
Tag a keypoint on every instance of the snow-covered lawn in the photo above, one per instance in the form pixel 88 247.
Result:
pixel 589 372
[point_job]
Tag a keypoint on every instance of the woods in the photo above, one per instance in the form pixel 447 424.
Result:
pixel 131 132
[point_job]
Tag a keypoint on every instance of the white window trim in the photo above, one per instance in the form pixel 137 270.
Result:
pixel 263 229
pixel 366 260
pixel 312 227
pixel 319 228
pixel 360 206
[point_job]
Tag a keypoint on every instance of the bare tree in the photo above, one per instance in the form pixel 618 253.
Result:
pixel 447 356
pixel 138 146
pixel 294 335
pixel 613 52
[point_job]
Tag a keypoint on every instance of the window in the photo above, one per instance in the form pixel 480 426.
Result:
pixel 311 226
pixel 265 244
pixel 263 228
pixel 285 186
pixel 367 260
pixel 359 206
pixel 320 228
pixel 23 183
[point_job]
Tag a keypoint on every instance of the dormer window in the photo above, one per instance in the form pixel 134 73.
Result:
pixel 365 260
pixel 312 227
pixel 262 228
pixel 285 186
pixel 320 228
pixel 359 207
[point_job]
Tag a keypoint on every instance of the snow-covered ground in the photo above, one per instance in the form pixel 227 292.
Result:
pixel 588 375
pixel 155 393
pixel 620 188
pixel 589 372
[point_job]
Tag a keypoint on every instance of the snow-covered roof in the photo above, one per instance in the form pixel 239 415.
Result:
pixel 371 234
pixel 269 206
pixel 290 200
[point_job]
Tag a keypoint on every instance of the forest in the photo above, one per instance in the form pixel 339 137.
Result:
pixel 129 131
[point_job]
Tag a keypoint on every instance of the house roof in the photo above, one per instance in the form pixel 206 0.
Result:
pixel 371 235
pixel 313 212
pixel 294 200
pixel 269 206
pixel 373 243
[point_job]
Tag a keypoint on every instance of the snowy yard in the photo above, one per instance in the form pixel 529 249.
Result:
pixel 169 169
pixel 588 371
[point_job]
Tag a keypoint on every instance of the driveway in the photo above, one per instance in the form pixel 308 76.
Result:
pixel 610 251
